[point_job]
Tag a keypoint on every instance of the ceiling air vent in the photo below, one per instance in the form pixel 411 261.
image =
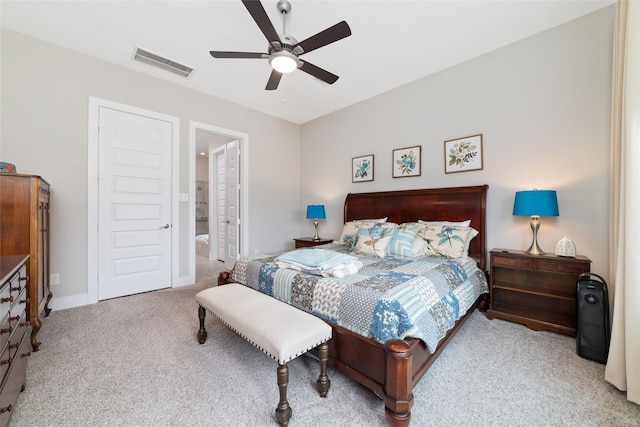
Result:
pixel 160 62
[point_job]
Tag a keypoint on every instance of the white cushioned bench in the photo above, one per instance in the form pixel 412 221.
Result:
pixel 281 331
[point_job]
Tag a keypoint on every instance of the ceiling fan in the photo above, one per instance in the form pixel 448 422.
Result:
pixel 284 50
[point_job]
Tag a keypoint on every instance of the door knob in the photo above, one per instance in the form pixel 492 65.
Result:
pixel 164 226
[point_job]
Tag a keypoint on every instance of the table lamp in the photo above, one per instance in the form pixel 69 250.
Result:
pixel 535 203
pixel 315 212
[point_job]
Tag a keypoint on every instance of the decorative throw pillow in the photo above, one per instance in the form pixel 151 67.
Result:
pixel 449 241
pixel 350 231
pixel 401 243
pixel 368 245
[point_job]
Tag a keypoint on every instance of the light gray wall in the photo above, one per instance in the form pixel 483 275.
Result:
pixel 542 105
pixel 45 92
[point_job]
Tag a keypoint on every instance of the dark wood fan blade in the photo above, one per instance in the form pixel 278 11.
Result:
pixel 328 36
pixel 274 80
pixel 318 72
pixel 262 19
pixel 218 54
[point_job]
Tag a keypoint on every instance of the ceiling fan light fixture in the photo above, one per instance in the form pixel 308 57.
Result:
pixel 283 62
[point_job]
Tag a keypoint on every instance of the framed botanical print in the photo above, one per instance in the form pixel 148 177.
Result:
pixel 407 162
pixel 463 154
pixel 362 168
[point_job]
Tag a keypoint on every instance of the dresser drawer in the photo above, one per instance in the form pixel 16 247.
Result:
pixel 5 298
pixel 18 282
pixel 14 381
pixel 511 262
pixel 18 309
pixel 5 331
pixel 561 267
pixel 19 332
pixel 5 362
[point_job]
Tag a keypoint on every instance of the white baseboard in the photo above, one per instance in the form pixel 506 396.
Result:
pixel 62 303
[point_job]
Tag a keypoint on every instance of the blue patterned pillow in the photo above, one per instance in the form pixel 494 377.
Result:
pixel 401 243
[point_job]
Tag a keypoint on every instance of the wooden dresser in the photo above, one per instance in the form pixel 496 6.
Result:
pixel 24 221
pixel 538 291
pixel 14 327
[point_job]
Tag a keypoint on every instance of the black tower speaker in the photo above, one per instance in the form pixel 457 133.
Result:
pixel 593 332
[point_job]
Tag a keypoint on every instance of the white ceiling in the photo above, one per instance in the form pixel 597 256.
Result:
pixel 392 43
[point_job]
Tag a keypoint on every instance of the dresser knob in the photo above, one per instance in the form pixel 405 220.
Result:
pixel 6 330
pixel 16 345
pixel 512 261
pixel 6 409
pixel 27 354
pixel 16 317
pixel 24 301
pixel 560 267
pixel 9 299
pixel 4 362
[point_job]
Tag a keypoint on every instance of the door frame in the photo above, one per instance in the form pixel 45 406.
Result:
pixel 243 180
pixel 92 189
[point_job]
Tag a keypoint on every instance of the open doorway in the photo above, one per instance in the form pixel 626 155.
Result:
pixel 219 202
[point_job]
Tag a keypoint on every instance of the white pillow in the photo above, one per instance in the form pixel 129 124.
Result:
pixel 375 220
pixel 452 223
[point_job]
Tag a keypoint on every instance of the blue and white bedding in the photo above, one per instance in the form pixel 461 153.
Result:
pixel 388 298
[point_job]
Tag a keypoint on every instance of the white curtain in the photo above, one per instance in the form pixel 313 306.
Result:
pixel 623 365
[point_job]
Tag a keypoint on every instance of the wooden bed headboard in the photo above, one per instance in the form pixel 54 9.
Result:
pixel 433 204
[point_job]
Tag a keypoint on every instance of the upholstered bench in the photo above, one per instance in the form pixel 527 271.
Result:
pixel 278 329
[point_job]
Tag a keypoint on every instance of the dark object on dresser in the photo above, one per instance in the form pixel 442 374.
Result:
pixel 24 220
pixel 14 330
pixel 393 369
pixel 538 291
pixel 592 341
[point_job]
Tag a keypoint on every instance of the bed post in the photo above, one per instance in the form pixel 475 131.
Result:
pixel 398 398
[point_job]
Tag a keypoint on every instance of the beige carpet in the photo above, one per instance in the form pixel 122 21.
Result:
pixel 135 361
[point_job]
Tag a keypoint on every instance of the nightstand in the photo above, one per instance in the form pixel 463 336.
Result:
pixel 305 242
pixel 538 291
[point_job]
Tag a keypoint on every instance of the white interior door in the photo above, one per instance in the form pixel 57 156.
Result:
pixel 134 212
pixel 219 157
pixel 232 172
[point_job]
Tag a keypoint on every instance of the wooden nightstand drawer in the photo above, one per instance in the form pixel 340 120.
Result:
pixel 561 266
pixel 511 262
pixel 306 242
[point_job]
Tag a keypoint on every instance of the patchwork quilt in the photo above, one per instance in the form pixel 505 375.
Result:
pixel 388 298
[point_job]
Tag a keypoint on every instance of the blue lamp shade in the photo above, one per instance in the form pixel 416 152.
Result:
pixel 315 212
pixel 536 203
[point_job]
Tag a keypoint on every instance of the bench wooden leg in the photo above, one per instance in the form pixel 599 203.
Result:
pixel 323 382
pixel 283 411
pixel 202 332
